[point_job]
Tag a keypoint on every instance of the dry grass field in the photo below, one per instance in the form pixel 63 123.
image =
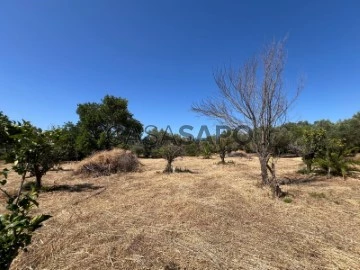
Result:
pixel 214 218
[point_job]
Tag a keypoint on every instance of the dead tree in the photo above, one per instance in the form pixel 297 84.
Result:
pixel 253 95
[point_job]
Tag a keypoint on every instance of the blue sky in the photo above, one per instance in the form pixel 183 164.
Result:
pixel 160 55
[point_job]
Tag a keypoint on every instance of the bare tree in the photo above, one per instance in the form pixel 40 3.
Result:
pixel 254 95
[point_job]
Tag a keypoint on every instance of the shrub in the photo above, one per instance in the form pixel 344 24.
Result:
pixel 191 149
pixel 170 152
pixel 223 147
pixel 17 226
pixel 206 149
pixel 108 162
pixel 336 160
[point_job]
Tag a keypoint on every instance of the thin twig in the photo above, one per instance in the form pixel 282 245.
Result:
pixel 4 191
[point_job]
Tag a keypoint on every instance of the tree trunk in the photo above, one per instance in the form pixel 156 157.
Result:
pixel 308 166
pixel 222 156
pixel 275 187
pixel 38 176
pixel 329 173
pixel 264 170
pixel 168 168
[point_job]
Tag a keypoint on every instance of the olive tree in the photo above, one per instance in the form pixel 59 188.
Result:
pixel 253 95
pixel 170 152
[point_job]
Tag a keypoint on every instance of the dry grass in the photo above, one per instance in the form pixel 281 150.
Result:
pixel 216 218
pixel 104 163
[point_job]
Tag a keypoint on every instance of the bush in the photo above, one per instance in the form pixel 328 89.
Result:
pixel 191 149
pixel 206 149
pixel 108 162
pixel 336 160
pixel 16 225
pixel 170 152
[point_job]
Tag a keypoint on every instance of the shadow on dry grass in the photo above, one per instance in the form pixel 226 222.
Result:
pixel 69 188
pixel 301 180
pixel 72 188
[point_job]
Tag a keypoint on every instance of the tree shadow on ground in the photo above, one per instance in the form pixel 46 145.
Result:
pixel 301 180
pixel 73 188
pixel 69 188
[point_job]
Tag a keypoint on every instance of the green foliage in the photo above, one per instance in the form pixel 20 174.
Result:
pixel 4 135
pixel 224 145
pixel 66 142
pixel 303 171
pixel 34 151
pixel 349 131
pixel 206 149
pixel 335 160
pixel 17 226
pixel 152 142
pixel 7 130
pixel 191 149
pixel 287 199
pixel 312 145
pixel 138 149
pixel 106 125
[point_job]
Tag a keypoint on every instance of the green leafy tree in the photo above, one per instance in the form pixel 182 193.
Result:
pixel 313 146
pixel 4 125
pixel 349 131
pixel 6 132
pixel 34 150
pixel 224 145
pixel 65 142
pixel 151 143
pixel 106 125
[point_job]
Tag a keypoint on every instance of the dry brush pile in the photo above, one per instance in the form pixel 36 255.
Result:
pixel 108 162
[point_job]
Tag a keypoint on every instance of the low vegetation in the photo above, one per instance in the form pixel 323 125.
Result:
pixel 17 225
pixel 170 152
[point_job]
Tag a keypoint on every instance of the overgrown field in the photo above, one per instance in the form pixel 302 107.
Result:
pixel 213 218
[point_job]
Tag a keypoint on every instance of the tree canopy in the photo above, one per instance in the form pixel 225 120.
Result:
pixel 106 125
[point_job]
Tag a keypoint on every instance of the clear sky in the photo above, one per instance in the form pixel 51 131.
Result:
pixel 160 55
